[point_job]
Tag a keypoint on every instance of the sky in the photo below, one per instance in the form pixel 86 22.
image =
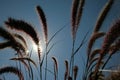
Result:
pixel 58 14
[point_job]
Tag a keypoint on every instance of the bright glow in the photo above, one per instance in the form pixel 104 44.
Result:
pixel 35 48
pixel 105 70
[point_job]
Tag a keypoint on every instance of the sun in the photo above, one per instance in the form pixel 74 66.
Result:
pixel 35 47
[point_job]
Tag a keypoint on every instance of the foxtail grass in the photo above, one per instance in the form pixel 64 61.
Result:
pixel 66 70
pixel 103 15
pixel 21 38
pixel 14 70
pixel 92 40
pixel 24 27
pixel 80 12
pixel 17 46
pixel 5 44
pixel 110 37
pixel 25 58
pixel 43 22
pixel 55 68
pixel 77 9
pixel 75 69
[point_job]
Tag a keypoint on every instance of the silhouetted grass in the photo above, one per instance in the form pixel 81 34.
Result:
pixel 96 58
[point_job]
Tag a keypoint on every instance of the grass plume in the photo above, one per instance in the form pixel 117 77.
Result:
pixel 103 15
pixel 110 37
pixel 55 67
pixel 92 40
pixel 21 38
pixel 12 41
pixel 66 71
pixel 94 53
pixel 80 11
pixel 75 72
pixel 25 58
pixel 23 26
pixel 43 22
pixel 5 44
pixel 12 70
pixel 75 5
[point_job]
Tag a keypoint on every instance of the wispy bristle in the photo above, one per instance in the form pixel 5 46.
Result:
pixel 43 22
pixel 103 15
pixel 10 69
pixel 23 26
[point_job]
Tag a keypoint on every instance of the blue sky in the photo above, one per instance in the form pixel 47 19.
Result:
pixel 58 13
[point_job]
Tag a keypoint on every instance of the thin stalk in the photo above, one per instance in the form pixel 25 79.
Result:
pixel 46 61
pixel 72 58
pixel 106 61
pixel 40 72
